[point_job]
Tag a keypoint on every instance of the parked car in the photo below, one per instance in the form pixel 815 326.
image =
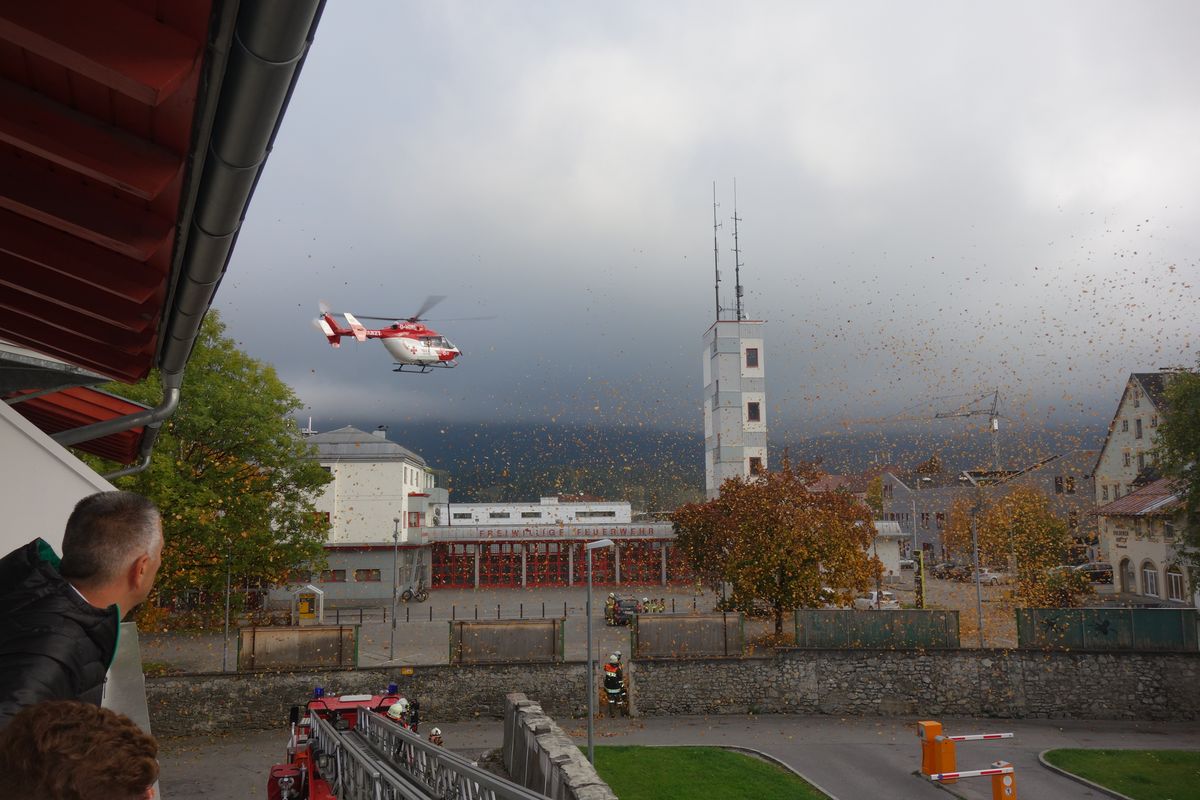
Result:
pixel 907 563
pixel 961 573
pixel 991 578
pixel 941 570
pixel 873 600
pixel 1097 571
pixel 620 612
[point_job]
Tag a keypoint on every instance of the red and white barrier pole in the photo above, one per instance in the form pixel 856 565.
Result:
pixel 971 773
pixel 979 737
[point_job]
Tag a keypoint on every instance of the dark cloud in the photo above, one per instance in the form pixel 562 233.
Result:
pixel 936 199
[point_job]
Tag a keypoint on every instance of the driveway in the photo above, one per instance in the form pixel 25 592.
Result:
pixel 851 758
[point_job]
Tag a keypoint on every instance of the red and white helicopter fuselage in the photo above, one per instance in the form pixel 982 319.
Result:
pixel 410 343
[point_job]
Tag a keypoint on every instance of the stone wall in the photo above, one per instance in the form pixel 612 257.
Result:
pixel 191 704
pixel 540 756
pixel 1001 683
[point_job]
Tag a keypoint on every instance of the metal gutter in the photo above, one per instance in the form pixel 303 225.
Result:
pixel 254 80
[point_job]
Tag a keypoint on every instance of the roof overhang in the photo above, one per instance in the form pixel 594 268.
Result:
pixel 130 145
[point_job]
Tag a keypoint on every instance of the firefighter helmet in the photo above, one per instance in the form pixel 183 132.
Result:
pixel 398 709
pixel 615 658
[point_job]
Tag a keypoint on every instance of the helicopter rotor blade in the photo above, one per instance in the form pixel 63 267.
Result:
pixel 429 303
pixel 379 318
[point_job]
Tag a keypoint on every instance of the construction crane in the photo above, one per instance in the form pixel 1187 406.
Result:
pixel 971 408
pixel 992 412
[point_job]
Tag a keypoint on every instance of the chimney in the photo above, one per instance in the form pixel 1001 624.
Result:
pixel 380 431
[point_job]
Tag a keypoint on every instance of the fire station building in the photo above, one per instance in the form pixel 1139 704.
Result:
pixel 386 510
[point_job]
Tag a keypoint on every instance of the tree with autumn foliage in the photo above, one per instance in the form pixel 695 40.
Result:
pixel 772 540
pixel 1019 530
pixel 232 476
pixel 1178 454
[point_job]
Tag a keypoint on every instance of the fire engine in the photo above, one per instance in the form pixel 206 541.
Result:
pixel 347 748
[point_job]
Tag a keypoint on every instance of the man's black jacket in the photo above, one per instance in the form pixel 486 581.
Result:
pixel 53 645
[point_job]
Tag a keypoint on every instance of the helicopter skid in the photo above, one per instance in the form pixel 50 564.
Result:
pixel 421 369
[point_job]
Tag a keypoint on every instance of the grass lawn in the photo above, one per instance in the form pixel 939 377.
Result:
pixel 1140 774
pixel 685 773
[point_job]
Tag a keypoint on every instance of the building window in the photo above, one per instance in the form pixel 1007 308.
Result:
pixel 328 469
pixel 594 514
pixel 497 515
pixel 333 576
pixel 1174 584
pixel 1168 531
pixel 1137 428
pixel 1058 484
pixel 367 575
pixel 1141 461
pixel 531 515
pixel 1149 579
pixel 1116 490
pixel 1073 518
pixel 924 520
pixel 462 515
pixel 300 576
pixel 752 412
pixel 1104 493
pixel 940 520
pixel 756 465
pixel 887 490
pixel 414 519
pixel 751 357
pixel 1154 421
pixel 1069 483
pixel 1137 399
pixel 1126 459
pixel 1125 425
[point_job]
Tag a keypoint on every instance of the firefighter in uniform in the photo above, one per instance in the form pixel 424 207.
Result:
pixel 614 683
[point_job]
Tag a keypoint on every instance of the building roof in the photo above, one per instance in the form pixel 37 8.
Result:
pixel 938 480
pixel 116 225
pixel 1155 385
pixel 889 529
pixel 351 444
pixel 1154 498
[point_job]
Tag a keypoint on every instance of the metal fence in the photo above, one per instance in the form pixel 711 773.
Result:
pixel 1145 629
pixel 719 635
pixel 510 640
pixel 876 629
pixel 297 647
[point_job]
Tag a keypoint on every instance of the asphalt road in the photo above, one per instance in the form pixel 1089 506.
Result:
pixel 851 758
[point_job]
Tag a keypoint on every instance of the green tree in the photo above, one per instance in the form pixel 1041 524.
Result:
pixel 773 540
pixel 1018 527
pixel 232 476
pixel 1179 455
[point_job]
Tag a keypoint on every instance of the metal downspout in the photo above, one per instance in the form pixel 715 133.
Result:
pixel 149 417
pixel 271 40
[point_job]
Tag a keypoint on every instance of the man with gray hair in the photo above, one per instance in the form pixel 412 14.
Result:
pixel 59 618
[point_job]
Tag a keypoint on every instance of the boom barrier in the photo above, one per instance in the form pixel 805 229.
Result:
pixel 939 760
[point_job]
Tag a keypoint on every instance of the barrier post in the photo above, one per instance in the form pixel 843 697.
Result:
pixel 1004 787
pixel 937 752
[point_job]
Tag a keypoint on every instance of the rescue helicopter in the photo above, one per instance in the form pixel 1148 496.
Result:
pixel 413 346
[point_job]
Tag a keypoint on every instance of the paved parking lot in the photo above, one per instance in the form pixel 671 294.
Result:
pixel 851 758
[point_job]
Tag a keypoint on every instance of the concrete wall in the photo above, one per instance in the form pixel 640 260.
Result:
pixel 40 482
pixel 540 756
pixel 1000 683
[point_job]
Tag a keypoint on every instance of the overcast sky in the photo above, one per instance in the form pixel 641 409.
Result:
pixel 936 199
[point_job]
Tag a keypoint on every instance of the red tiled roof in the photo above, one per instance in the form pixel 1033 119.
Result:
pixel 81 405
pixel 1153 498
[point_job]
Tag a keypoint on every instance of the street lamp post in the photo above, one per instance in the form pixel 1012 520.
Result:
pixel 591 687
pixel 225 638
pixel 395 587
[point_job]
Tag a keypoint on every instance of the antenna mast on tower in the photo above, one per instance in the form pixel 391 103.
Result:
pixel 737 260
pixel 716 255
